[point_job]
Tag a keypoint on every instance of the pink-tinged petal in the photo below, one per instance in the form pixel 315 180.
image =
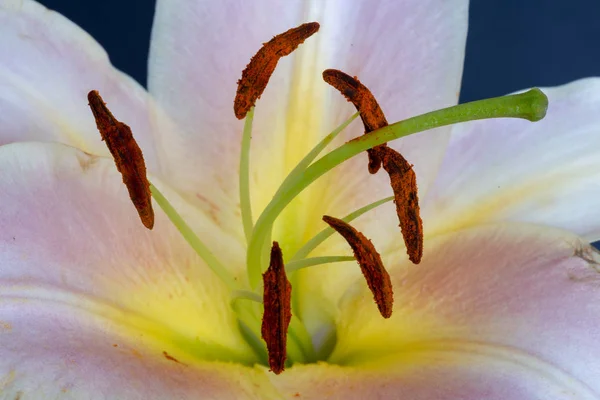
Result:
pixel 409 53
pixel 467 373
pixel 47 67
pixel 53 350
pixel 71 237
pixel 546 172
pixel 496 300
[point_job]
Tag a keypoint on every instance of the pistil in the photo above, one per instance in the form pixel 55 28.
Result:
pixel 530 105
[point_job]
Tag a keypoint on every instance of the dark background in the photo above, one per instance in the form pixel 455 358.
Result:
pixel 512 44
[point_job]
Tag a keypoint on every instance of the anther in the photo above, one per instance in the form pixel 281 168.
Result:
pixel 370 263
pixel 364 101
pixel 277 314
pixel 404 186
pixel 402 177
pixel 257 73
pixel 127 155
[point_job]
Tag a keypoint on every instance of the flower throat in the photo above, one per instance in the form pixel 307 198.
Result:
pixel 273 300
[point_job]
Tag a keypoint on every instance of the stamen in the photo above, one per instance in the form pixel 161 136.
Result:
pixel 402 176
pixel 404 185
pixel 364 101
pixel 277 315
pixel 257 73
pixel 370 263
pixel 127 155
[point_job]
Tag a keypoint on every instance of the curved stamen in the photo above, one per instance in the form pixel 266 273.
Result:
pixel 257 73
pixel 127 155
pixel 370 263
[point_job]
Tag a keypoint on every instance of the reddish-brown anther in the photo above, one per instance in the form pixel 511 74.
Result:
pixel 277 316
pixel 370 263
pixel 364 101
pixel 402 176
pixel 258 72
pixel 127 155
pixel 404 185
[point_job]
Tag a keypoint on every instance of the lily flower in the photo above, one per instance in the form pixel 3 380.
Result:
pixel 504 304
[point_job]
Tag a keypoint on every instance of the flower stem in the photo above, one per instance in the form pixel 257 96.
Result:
pixel 530 105
pixel 245 204
pixel 188 234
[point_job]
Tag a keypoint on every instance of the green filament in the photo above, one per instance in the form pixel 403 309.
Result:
pixel 325 233
pixel 188 234
pixel 305 162
pixel 309 262
pixel 245 295
pixel 301 337
pixel 245 205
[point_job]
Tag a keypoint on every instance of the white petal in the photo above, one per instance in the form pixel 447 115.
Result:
pixel 546 172
pixel 501 291
pixel 55 351
pixel 47 67
pixel 410 53
pixel 71 237
pixel 463 373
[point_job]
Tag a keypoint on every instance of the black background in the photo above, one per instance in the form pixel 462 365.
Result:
pixel 512 44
